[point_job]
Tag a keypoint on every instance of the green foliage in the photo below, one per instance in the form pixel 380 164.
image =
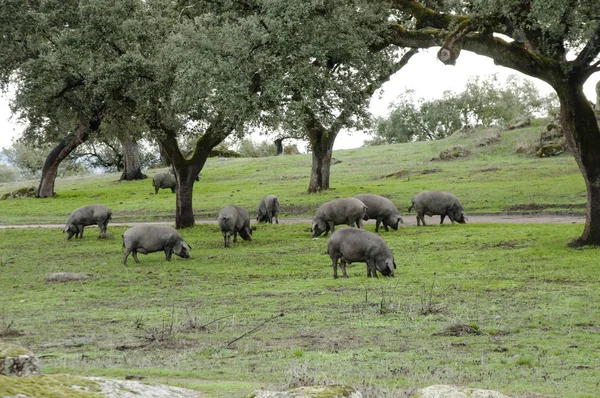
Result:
pixel 8 173
pixel 250 149
pixel 485 102
pixel 29 159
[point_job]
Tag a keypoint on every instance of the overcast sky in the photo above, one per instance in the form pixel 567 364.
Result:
pixel 424 74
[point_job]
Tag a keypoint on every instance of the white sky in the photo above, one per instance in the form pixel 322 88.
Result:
pixel 424 74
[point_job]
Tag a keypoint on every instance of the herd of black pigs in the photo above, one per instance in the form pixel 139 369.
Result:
pixel 346 245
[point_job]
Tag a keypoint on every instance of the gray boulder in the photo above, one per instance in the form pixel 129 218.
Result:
pixel 234 220
pixel 268 209
pixel 87 215
pixel 444 391
pixel 17 361
pixel 348 245
pixel 438 203
pixel 335 212
pixel 153 238
pixel 381 209
pixel 331 391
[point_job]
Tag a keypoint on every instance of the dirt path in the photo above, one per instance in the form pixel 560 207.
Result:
pixel 409 220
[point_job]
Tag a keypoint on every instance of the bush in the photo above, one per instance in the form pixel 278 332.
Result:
pixel 8 174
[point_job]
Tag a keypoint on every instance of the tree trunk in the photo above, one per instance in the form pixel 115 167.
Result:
pixel 279 146
pixel 57 155
pixel 597 107
pixel 186 174
pixel 131 161
pixel 583 136
pixel 321 144
pixel 188 170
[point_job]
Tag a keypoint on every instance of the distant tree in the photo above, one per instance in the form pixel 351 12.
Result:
pixel 248 148
pixel 8 173
pixel 485 101
pixel 28 158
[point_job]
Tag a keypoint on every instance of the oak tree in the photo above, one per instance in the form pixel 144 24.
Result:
pixel 558 43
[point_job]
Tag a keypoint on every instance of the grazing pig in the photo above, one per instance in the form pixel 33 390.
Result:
pixel 234 220
pixel 268 209
pixel 381 209
pixel 164 180
pixel 438 203
pixel 350 245
pixel 335 212
pixel 154 238
pixel 87 215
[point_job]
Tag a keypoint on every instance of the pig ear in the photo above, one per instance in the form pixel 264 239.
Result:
pixel 186 246
pixel 66 229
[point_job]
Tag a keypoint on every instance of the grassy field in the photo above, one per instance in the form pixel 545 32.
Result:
pixel 493 179
pixel 504 307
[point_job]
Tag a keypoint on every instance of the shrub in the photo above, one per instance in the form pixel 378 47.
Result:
pixel 8 174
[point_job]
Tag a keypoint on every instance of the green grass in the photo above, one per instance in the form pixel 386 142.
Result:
pixel 493 179
pixel 504 307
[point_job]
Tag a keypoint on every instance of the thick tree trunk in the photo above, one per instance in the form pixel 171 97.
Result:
pixel 57 155
pixel 597 107
pixel 321 144
pixel 581 130
pixel 186 174
pixel 188 170
pixel 131 161
pixel 279 146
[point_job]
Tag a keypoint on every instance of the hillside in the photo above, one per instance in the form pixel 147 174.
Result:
pixel 494 178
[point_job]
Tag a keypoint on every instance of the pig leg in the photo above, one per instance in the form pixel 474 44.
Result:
pixel 334 260
pixel 343 267
pixel 168 253
pixel 127 251
pixel 226 238
pixel 371 269
pixel 134 255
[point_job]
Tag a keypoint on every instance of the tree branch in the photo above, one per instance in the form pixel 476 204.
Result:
pixel 591 49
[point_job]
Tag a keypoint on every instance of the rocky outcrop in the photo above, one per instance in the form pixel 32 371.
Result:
pixel 27 192
pixel 444 391
pixel 332 391
pixel 17 361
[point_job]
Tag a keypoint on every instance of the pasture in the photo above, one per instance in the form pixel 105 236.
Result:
pixel 504 307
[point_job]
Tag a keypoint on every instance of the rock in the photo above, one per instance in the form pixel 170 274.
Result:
pixel 444 391
pixel 17 361
pixel 66 277
pixel 332 391
pixel 519 123
pixel 28 192
pixel 135 389
pixel 457 151
pixel 550 149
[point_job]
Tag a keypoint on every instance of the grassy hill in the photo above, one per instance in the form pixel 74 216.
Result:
pixel 498 306
pixel 494 178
